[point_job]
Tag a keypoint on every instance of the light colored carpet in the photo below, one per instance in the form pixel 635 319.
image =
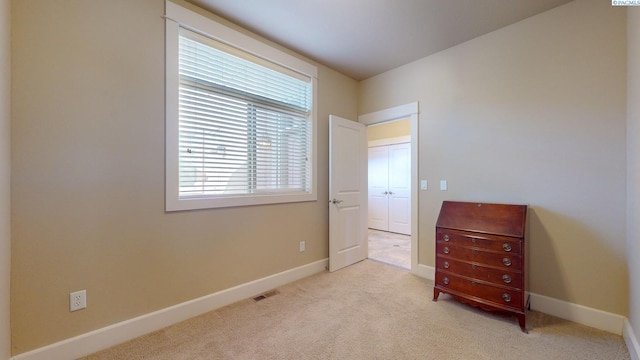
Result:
pixel 367 311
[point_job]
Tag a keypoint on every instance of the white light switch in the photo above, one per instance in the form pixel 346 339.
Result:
pixel 443 184
pixel 423 184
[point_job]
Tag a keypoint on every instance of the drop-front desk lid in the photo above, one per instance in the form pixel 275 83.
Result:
pixel 499 219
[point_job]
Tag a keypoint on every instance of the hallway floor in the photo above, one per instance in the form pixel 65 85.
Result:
pixel 390 248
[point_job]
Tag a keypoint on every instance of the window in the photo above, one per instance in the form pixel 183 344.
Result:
pixel 240 125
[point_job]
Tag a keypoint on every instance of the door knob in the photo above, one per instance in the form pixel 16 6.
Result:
pixel 336 201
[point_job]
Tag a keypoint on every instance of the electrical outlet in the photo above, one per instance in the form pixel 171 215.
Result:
pixel 302 246
pixel 77 300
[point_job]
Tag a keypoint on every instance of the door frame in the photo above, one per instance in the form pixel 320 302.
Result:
pixel 410 111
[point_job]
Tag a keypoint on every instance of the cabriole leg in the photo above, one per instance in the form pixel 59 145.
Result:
pixel 522 322
pixel 436 293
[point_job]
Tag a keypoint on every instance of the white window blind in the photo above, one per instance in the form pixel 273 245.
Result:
pixel 245 124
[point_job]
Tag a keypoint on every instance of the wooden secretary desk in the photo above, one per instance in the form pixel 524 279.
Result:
pixel 480 256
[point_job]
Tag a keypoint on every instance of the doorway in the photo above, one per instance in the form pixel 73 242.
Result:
pixel 394 245
pixel 389 187
pixel 390 248
pixel 389 193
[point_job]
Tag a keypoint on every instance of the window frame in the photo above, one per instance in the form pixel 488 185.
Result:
pixel 177 17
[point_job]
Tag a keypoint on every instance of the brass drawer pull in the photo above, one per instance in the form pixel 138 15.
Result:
pixel 506 262
pixel 506 297
pixel 506 247
pixel 446 265
pixel 506 278
pixel 445 250
pixel 473 240
pixel 473 266
pixel 445 281
pixel 446 238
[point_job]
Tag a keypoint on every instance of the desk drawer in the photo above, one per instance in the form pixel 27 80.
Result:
pixel 479 291
pixel 500 244
pixel 507 261
pixel 505 277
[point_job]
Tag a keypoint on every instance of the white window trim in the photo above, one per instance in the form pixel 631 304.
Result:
pixel 176 17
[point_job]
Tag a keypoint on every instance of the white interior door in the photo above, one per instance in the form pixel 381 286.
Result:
pixel 347 192
pixel 400 188
pixel 378 188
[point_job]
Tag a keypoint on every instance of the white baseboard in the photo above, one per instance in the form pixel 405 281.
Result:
pixel 106 337
pixel 580 314
pixel 100 339
pixel 631 340
pixel 427 272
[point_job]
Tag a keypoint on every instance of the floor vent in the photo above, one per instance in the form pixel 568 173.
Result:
pixel 266 295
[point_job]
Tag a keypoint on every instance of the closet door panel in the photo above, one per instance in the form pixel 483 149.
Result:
pixel 378 188
pixel 400 188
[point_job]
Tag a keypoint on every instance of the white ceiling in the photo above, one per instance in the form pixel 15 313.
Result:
pixel 363 38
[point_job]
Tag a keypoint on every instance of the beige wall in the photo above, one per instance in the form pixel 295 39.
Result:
pixel 533 113
pixel 633 165
pixel 5 175
pixel 389 130
pixel 88 178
